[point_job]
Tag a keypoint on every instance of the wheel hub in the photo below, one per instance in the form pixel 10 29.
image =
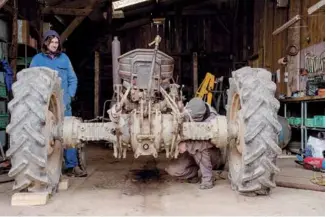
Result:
pixel 236 125
pixel 50 125
pixel 54 146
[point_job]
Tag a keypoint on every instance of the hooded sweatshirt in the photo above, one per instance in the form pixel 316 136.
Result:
pixel 61 63
pixel 200 112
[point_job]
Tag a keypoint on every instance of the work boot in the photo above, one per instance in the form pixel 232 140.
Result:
pixel 207 184
pixel 76 172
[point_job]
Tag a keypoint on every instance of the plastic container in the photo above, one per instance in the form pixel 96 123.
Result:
pixel 3 90
pixel 319 121
pixel 4 121
pixel 297 121
pixel 309 122
pixel 291 120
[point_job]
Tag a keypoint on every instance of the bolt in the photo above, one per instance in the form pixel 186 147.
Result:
pixel 145 146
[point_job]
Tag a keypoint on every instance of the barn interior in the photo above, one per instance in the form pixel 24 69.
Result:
pixel 202 36
pixel 205 38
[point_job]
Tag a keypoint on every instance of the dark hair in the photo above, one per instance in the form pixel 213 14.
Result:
pixel 46 44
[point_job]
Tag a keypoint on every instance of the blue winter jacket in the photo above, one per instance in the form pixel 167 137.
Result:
pixel 62 64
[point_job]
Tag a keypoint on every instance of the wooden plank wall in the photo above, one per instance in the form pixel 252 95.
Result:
pixel 268 17
pixel 279 43
pixel 188 34
pixel 315 23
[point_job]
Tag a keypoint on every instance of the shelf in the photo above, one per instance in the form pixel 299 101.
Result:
pixel 309 128
pixel 305 98
pixel 315 128
pixel 21 61
pixel 29 46
pixel 296 127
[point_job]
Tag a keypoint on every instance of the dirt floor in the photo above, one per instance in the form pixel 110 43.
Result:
pixel 118 188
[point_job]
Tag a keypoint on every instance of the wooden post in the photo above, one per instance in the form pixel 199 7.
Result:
pixel 14 40
pixel 293 65
pixel 97 84
pixel 178 42
pixel 195 71
pixel 40 25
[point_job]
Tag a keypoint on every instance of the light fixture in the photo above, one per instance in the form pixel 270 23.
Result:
pixel 125 3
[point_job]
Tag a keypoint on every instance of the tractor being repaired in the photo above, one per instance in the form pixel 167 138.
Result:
pixel 148 118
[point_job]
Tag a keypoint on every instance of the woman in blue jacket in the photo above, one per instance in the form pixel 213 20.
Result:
pixel 52 57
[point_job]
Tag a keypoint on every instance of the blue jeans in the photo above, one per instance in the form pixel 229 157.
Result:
pixel 71 160
pixel 70 154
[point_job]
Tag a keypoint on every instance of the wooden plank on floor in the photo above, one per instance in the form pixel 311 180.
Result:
pixel 293 175
pixel 63 185
pixel 29 199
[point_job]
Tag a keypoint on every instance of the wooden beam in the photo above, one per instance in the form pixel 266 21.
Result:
pixel 40 20
pixel 134 24
pixel 195 71
pixel 2 3
pixel 194 12
pixel 8 8
pixel 67 11
pixel 97 84
pixel 14 39
pixel 293 66
pixel 73 25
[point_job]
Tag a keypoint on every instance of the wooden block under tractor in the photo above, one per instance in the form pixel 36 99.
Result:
pixel 63 185
pixel 29 199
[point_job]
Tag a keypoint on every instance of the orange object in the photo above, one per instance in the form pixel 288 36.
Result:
pixel 321 92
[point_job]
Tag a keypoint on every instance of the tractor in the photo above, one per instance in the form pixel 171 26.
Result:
pixel 148 118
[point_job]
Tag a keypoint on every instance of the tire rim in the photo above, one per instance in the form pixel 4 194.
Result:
pixel 236 118
pixel 55 151
pixel 237 146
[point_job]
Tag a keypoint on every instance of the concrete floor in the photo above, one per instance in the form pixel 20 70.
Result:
pixel 109 190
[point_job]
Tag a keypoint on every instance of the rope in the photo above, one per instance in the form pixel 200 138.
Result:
pixel 320 180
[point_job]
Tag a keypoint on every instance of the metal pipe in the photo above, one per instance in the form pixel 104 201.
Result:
pixel 116 52
pixel 156 41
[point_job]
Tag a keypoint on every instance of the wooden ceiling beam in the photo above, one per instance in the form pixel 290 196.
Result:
pixel 2 3
pixel 6 7
pixel 73 25
pixel 66 11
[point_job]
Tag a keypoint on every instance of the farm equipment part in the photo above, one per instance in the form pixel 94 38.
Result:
pixel 148 118
pixel 213 92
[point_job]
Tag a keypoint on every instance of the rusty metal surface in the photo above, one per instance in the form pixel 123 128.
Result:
pixel 136 65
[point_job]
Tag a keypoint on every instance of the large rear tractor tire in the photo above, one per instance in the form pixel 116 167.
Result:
pixel 253 108
pixel 36 110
